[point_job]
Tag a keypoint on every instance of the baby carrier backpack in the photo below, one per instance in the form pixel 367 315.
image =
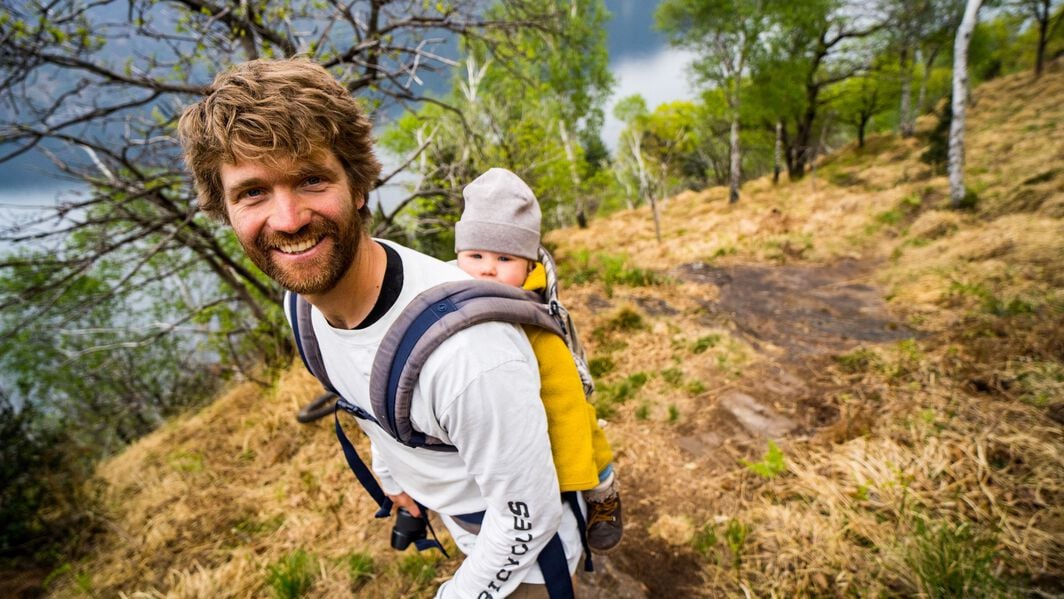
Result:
pixel 430 318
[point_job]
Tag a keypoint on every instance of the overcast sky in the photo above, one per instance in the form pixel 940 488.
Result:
pixel 639 58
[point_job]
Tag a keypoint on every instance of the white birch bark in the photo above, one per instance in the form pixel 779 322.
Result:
pixel 636 145
pixel 777 165
pixel 574 174
pixel 960 102
pixel 905 118
pixel 736 159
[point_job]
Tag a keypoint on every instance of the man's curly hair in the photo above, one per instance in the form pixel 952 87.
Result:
pixel 271 110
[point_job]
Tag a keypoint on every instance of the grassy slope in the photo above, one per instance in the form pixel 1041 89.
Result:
pixel 934 451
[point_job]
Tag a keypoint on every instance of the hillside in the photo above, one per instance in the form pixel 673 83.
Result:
pixel 907 359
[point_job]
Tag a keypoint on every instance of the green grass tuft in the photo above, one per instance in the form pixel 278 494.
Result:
pixel 361 568
pixel 291 577
pixel 771 465
pixel 953 561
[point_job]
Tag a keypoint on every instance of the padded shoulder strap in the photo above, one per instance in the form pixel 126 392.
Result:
pixel 433 316
pixel 306 339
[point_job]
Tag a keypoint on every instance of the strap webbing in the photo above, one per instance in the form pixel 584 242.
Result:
pixel 555 569
pixel 571 498
pixel 366 478
pixel 361 471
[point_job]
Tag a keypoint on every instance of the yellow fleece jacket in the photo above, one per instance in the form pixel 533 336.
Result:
pixel 577 442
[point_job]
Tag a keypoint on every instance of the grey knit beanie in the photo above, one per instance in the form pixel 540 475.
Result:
pixel 501 215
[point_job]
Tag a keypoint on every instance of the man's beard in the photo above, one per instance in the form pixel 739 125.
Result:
pixel 327 270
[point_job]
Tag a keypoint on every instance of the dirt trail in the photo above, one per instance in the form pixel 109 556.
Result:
pixel 795 317
pixel 803 310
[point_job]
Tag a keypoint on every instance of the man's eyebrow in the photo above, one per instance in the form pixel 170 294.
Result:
pixel 313 168
pixel 242 185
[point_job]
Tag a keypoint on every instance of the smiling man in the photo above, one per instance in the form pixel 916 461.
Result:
pixel 283 153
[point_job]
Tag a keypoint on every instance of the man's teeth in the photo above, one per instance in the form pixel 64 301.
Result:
pixel 297 247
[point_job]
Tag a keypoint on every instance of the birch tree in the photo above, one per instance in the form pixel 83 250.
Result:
pixel 960 102
pixel 632 160
pixel 725 34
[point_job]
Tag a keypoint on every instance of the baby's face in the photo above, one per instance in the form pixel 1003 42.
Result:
pixel 491 266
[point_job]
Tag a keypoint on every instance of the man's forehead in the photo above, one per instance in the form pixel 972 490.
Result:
pixel 287 162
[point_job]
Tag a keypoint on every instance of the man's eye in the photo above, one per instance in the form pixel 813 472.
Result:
pixel 313 180
pixel 251 193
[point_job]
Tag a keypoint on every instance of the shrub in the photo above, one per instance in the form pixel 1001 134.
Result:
pixel 600 367
pixel 624 320
pixel 735 536
pixel 642 412
pixel 361 568
pixel 672 376
pixel 771 465
pixel 953 561
pixel 608 396
pixel 705 540
pixel 937 153
pixel 418 569
pixel 291 577
pixel 609 269
pixel 704 343
pixel 859 360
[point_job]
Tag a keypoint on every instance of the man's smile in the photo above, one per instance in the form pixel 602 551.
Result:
pixel 297 247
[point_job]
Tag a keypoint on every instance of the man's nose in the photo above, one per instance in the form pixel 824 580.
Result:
pixel 289 213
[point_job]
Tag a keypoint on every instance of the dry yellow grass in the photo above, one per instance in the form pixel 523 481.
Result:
pixel 906 451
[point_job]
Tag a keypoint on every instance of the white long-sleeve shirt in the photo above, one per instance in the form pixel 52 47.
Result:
pixel 479 391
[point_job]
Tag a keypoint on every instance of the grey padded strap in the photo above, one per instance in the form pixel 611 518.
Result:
pixel 308 341
pixel 476 302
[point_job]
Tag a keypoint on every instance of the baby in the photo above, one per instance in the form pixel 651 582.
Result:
pixel 498 239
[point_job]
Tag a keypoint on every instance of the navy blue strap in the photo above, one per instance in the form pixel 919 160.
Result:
pixel 571 498
pixel 555 569
pixel 426 543
pixel 411 336
pixel 361 471
pixel 365 477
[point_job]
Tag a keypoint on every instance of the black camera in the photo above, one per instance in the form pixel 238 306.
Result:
pixel 407 529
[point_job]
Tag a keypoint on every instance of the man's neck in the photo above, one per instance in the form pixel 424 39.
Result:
pixel 347 305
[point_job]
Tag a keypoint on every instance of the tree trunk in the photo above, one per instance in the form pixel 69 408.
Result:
pixel 821 142
pixel 862 123
pixel 644 183
pixel 777 156
pixel 960 101
pixel 905 117
pixel 929 62
pixel 574 173
pixel 736 159
pixel 1043 34
pixel 803 140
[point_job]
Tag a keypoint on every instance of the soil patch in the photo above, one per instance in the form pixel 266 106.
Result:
pixel 804 310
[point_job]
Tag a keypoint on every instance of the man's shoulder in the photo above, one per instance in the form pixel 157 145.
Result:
pixel 422 271
pixel 480 348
